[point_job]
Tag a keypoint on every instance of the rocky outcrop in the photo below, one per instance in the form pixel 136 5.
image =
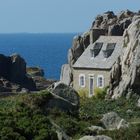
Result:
pixel 125 74
pixel 13 74
pixel 66 74
pixel 35 71
pixel 60 132
pixel 67 93
pixel 64 98
pixel 37 75
pixel 94 130
pixel 138 103
pixel 113 121
pixel 114 24
pixel 106 24
pixel 101 137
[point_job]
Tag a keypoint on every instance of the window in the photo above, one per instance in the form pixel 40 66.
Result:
pixel 100 81
pixel 82 80
pixel 97 48
pixel 109 49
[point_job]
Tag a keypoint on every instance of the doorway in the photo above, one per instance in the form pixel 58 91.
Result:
pixel 91 85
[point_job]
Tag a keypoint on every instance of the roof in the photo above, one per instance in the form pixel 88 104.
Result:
pixel 100 62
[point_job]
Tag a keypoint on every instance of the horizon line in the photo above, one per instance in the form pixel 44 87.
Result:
pixel 41 32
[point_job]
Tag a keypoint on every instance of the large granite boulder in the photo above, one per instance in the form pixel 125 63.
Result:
pixel 100 137
pixel 138 103
pixel 13 74
pixel 42 83
pixel 112 121
pixel 5 65
pixel 128 65
pixel 125 14
pixel 66 74
pixel 67 93
pixel 17 69
pixel 64 98
pixel 94 130
pixel 80 43
pixel 60 132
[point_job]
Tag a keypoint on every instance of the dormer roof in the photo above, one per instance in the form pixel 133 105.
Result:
pixel 105 52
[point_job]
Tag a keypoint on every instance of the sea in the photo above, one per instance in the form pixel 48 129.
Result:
pixel 45 50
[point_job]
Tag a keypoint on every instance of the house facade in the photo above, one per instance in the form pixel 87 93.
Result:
pixel 92 69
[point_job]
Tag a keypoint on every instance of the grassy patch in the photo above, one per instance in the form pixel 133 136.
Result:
pixel 21 118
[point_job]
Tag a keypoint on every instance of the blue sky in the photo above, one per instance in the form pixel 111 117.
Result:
pixel 49 16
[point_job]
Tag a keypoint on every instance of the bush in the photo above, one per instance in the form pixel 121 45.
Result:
pixel 83 93
pixel 131 133
pixel 92 108
pixel 100 93
pixel 22 118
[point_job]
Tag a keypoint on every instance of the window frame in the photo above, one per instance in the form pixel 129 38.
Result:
pixel 103 81
pixel 82 75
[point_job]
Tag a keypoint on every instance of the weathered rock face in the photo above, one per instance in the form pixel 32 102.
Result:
pixel 125 74
pixel 17 69
pixel 35 71
pixel 113 121
pixel 67 93
pixel 66 74
pixel 106 24
pixel 5 64
pixel 114 24
pixel 64 98
pixel 138 103
pixel 100 137
pixel 13 74
pixel 94 129
pixel 37 75
pixel 80 43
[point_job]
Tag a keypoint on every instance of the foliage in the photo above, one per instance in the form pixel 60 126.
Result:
pixel 100 92
pixel 21 118
pixel 83 93
pixel 131 133
pixel 94 108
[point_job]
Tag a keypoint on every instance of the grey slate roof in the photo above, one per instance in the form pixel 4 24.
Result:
pixel 100 62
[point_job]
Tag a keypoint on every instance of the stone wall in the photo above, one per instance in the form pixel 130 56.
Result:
pixel 88 72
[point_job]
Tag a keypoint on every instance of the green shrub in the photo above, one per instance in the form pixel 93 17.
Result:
pixel 22 118
pixel 83 93
pixel 100 92
pixel 92 108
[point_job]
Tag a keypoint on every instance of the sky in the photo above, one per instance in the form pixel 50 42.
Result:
pixel 56 16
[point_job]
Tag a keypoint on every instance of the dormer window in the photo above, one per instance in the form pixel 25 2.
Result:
pixel 96 49
pixel 109 49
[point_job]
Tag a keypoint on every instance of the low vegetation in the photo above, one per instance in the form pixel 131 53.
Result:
pixel 23 118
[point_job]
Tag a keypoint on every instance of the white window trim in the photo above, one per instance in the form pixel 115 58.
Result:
pixel 100 76
pixel 82 75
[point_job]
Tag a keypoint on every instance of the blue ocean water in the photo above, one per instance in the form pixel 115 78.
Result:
pixel 48 51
